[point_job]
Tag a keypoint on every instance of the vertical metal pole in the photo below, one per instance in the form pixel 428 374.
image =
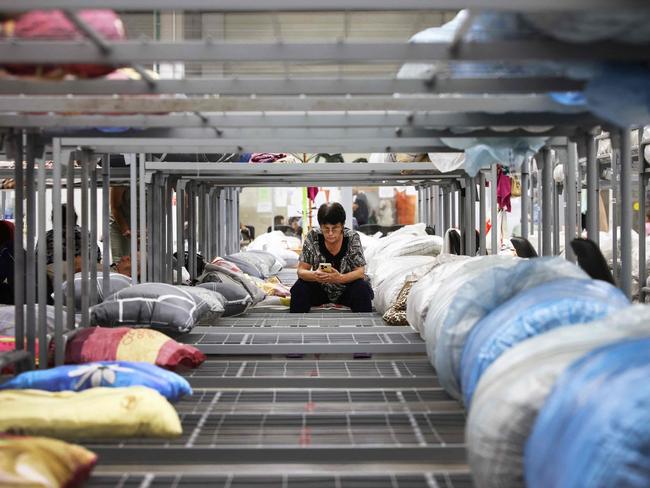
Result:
pixel 472 216
pixel 616 162
pixel 30 262
pixel 201 218
pixel 85 297
pixel 70 243
pixel 170 232
pixel 446 210
pixel 494 236
pixel 154 229
pixel 556 217
pixel 133 224
pixel 547 202
pixel 593 208
pixel 143 220
pixel 221 202
pixel 570 223
pixel 454 213
pixel 525 183
pixel 192 229
pixel 482 212
pixel 19 255
pixel 180 223
pixel 106 229
pixel 467 218
pixel 57 223
pixel 236 233
pixel 642 206
pixel 93 231
pixel 151 228
pixel 42 267
pixel 626 212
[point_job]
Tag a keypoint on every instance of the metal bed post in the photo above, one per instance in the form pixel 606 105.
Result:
pixel 191 240
pixel 19 257
pixel 472 215
pixel 626 212
pixel 30 257
pixel 642 211
pixel 454 204
pixel 59 156
pixel 615 182
pixel 419 194
pixel 547 202
pixel 209 222
pixel 42 265
pixel 133 224
pixel 143 220
pixel 93 230
pixel 467 217
pixel 70 241
pixel 556 216
pixel 482 211
pixel 593 207
pixel 221 209
pixel 155 230
pixel 446 210
pixel 106 225
pixel 169 235
pixel 201 219
pixel 570 223
pixel 525 179
pixel 150 226
pixel 439 210
pixel 180 224
pixel 237 233
pixel 494 236
pixel 85 298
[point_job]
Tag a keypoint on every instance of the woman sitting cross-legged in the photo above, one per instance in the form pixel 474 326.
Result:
pixel 343 281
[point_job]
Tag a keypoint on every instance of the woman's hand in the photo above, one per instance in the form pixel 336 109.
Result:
pixel 333 277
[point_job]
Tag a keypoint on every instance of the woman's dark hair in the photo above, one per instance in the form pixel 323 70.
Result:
pixel 64 215
pixel 331 213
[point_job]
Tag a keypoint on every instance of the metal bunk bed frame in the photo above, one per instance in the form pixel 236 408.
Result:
pixel 343 114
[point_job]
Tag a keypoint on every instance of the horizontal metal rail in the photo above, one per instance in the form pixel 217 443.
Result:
pixel 290 86
pixel 332 5
pixel 130 52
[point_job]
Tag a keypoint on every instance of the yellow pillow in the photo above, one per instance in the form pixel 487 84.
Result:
pixel 135 411
pixel 37 461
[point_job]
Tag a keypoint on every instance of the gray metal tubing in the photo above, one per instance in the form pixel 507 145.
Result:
pixel 452 196
pixel 642 206
pixel 216 233
pixel 154 229
pixel 547 202
pixel 30 271
pixel 70 242
pixel 593 207
pixel 191 227
pixel 626 212
pixel 57 223
pixel 525 179
pixel 570 222
pixel 556 217
pixel 467 221
pixel 201 218
pixel 42 266
pixel 236 233
pixel 133 224
pixel 446 209
pixel 143 221
pixel 85 298
pixel 106 229
pixel 472 215
pixel 482 211
pixel 19 257
pixel 221 208
pixel 494 236
pixel 180 223
pixel 93 231
pixel 169 231
pixel 150 227
pixel 615 185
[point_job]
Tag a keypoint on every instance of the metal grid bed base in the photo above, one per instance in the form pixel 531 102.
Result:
pixel 151 480
pixel 306 343
pixel 398 373
pixel 304 430
pixel 298 401
pixel 306 320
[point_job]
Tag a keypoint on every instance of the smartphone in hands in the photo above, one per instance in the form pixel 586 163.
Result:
pixel 325 267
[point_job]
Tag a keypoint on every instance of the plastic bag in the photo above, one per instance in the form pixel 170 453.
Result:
pixel 594 428
pixel 530 313
pixel 514 387
pixel 468 296
pixel 403 269
pixel 426 289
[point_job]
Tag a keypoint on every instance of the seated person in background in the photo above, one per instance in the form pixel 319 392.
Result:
pixel 7 230
pixel 278 220
pixel 49 245
pixel 344 282
pixel 294 223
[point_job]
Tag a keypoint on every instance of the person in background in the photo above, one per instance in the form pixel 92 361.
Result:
pixel 344 282
pixel 120 226
pixel 647 222
pixel 277 221
pixel 49 245
pixel 7 231
pixel 360 208
pixel 294 223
